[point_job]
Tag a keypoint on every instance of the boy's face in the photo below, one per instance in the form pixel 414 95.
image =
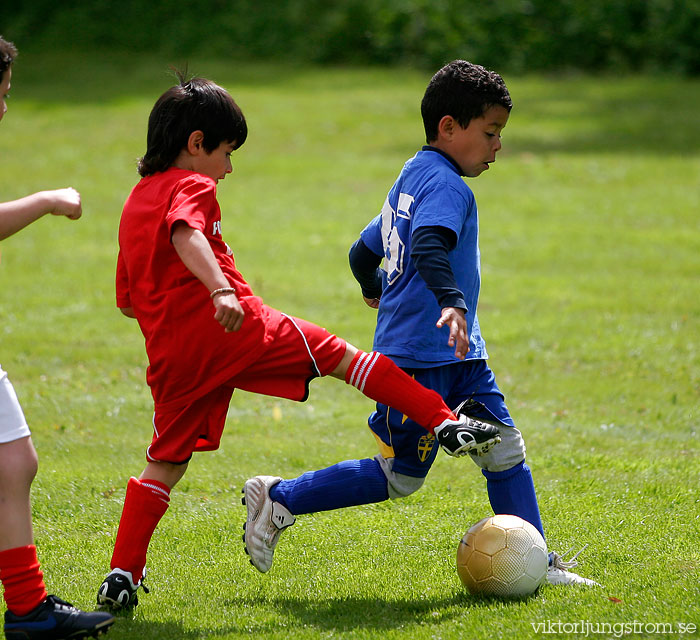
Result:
pixel 5 90
pixel 215 164
pixel 473 148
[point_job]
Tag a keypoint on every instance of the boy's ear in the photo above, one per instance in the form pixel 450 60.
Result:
pixel 195 143
pixel 446 127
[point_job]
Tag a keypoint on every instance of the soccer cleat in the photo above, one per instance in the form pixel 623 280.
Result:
pixel 266 519
pixel 466 434
pixel 118 591
pixel 558 571
pixel 55 619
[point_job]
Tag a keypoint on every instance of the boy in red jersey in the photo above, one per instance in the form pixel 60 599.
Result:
pixel 207 333
pixel 31 613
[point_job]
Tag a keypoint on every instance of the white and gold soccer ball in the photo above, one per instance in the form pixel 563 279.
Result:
pixel 502 556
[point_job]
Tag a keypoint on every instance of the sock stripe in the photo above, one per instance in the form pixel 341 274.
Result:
pixel 358 362
pixel 160 492
pixel 369 366
pixel 359 377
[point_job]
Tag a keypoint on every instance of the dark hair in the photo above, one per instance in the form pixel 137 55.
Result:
pixel 192 105
pixel 464 91
pixel 8 53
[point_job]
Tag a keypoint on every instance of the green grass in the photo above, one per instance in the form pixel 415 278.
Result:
pixel 591 252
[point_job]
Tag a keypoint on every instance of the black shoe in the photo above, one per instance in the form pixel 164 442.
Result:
pixel 55 619
pixel 118 591
pixel 466 435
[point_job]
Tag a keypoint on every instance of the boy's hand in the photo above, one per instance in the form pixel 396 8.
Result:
pixel 459 334
pixel 229 312
pixel 197 255
pixel 371 302
pixel 17 214
pixel 65 202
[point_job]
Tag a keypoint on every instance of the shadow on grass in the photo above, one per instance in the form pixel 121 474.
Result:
pixel 330 615
pixel 124 629
pixel 351 613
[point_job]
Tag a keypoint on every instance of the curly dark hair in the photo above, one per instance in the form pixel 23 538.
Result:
pixel 8 53
pixel 197 104
pixel 464 91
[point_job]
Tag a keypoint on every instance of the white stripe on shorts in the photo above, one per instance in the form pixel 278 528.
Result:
pixel 306 344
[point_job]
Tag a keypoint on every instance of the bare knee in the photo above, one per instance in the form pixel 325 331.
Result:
pixel 18 463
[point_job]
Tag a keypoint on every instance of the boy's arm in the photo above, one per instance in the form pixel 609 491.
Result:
pixel 429 252
pixel 195 252
pixel 17 214
pixel 364 264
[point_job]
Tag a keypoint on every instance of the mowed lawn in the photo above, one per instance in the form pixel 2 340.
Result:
pixel 590 241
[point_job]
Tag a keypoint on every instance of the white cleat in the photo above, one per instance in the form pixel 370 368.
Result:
pixel 558 571
pixel 265 521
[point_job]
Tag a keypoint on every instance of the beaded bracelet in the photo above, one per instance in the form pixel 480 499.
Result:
pixel 216 292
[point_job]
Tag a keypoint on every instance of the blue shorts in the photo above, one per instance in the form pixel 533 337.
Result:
pixel 411 446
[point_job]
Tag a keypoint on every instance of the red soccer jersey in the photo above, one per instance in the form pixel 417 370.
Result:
pixel 189 352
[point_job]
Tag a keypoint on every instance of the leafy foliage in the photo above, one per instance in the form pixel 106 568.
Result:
pixel 514 35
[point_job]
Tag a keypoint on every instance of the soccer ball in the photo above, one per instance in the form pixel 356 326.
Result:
pixel 502 556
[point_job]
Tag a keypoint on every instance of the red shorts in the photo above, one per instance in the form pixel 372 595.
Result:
pixel 300 352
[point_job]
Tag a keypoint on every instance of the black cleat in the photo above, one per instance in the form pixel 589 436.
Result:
pixel 466 435
pixel 55 619
pixel 118 592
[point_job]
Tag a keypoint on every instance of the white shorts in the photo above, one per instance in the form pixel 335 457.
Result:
pixel 13 426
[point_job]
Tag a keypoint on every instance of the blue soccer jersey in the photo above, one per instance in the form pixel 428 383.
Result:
pixel 429 192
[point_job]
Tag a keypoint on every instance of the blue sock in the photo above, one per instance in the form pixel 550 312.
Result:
pixel 344 484
pixel 513 492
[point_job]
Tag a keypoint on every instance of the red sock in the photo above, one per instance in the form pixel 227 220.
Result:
pixel 145 504
pixel 22 578
pixel 380 379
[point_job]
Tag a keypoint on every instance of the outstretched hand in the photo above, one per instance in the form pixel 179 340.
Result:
pixel 17 214
pixel 65 202
pixel 459 332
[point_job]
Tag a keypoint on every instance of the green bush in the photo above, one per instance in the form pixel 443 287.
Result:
pixel 517 35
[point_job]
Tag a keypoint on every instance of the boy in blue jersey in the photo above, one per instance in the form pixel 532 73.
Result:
pixel 426 295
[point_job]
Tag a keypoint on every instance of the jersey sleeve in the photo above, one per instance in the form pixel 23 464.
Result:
pixel 372 236
pixel 122 284
pixel 364 265
pixel 429 252
pixel 192 203
pixel 445 206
